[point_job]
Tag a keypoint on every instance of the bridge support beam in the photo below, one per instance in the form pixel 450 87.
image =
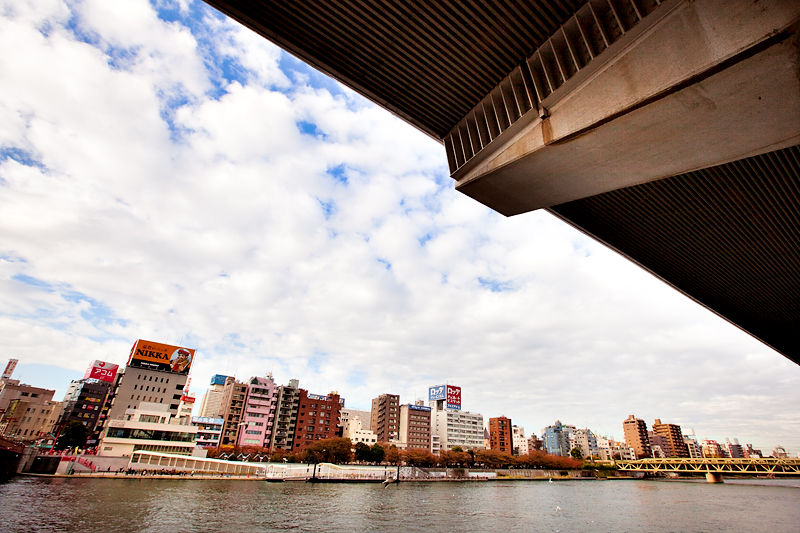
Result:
pixel 714 477
pixel 711 81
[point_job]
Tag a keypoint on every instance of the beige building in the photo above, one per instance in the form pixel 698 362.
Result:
pixel 149 427
pixel 636 437
pixel 28 420
pixel 347 414
pixel 11 389
pixel 353 429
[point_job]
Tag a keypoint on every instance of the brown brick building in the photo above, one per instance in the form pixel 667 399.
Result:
pixel 385 417
pixel 672 433
pixel 500 437
pixel 415 426
pixel 317 418
pixel 636 436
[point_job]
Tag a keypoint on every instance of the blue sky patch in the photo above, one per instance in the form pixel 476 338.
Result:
pixel 98 313
pixel 308 128
pixel 33 282
pixel 495 285
pixel 328 208
pixel 337 173
pixel 23 157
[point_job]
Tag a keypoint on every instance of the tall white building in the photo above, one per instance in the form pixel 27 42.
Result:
pixel 519 442
pixel 210 405
pixel 453 426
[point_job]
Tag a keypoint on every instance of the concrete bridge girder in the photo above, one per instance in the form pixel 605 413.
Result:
pixel 704 83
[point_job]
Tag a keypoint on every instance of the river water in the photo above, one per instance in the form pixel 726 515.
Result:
pixel 34 504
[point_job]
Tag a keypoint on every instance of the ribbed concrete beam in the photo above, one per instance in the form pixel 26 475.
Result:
pixel 703 83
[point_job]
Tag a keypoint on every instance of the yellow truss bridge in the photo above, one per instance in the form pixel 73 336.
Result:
pixel 714 468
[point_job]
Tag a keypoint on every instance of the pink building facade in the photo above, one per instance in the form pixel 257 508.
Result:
pixel 258 414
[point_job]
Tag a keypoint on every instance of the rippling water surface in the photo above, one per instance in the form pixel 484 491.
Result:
pixel 154 505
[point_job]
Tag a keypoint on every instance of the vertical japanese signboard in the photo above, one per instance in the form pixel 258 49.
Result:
pixel 12 364
pixel 453 397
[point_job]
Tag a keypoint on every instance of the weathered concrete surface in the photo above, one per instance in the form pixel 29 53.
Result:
pixel 713 81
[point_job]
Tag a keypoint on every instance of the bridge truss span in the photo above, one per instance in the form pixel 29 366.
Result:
pixel 767 466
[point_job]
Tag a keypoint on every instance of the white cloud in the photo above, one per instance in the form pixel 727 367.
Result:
pixel 166 206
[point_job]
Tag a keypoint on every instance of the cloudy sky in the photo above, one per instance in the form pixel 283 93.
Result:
pixel 165 174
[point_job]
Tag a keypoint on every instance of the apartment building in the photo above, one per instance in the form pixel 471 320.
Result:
pixel 285 421
pixel 385 417
pixel 674 438
pixel 259 411
pixel 635 431
pixel 318 418
pixel 500 436
pixel 415 426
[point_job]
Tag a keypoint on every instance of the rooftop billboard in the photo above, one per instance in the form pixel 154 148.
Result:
pixel 12 364
pixel 453 397
pixel 437 393
pixel 218 379
pixel 157 356
pixel 102 371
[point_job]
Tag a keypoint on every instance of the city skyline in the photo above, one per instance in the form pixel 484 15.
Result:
pixel 322 241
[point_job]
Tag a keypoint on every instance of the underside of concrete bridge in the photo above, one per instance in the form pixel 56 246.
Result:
pixel 669 130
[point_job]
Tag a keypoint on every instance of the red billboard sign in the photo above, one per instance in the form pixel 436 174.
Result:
pixel 102 371
pixel 453 397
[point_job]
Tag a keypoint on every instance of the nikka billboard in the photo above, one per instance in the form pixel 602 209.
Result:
pixel 157 356
pixel 102 371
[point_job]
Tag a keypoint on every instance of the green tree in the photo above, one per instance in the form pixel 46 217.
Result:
pixel 363 452
pixel 73 435
pixel 377 453
pixel 576 453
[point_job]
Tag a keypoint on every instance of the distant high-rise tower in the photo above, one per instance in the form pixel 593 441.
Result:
pixel 210 404
pixel 636 436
